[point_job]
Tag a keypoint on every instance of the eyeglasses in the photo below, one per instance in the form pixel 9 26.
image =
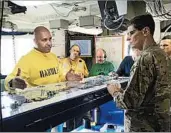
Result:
pixel 99 57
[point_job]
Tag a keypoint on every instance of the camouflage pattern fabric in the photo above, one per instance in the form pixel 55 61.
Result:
pixel 146 98
pixel 169 64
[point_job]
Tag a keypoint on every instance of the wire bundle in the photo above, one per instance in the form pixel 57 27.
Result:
pixel 157 9
pixel 112 21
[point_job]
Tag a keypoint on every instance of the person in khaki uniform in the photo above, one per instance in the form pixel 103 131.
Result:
pixel 74 64
pixel 146 98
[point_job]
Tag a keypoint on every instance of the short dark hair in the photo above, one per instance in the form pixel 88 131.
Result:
pixel 105 55
pixel 139 22
pixel 166 37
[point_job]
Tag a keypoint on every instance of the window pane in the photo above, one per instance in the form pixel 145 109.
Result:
pixel 23 44
pixel 7 58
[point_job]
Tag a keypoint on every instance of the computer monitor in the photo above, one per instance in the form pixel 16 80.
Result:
pixel 85 46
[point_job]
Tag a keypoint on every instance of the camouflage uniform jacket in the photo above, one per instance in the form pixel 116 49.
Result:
pixel 146 98
pixel 169 64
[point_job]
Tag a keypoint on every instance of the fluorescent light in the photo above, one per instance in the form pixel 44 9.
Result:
pixel 7 30
pixel 92 31
pixel 32 3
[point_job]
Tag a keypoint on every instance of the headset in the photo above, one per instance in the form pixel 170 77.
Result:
pixel 77 46
pixel 105 55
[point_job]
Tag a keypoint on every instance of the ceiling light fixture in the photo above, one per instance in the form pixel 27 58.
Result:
pixel 32 3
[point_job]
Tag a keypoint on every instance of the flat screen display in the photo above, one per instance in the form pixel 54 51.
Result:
pixel 85 46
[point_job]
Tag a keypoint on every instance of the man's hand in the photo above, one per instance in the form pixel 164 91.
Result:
pixel 70 76
pixel 113 74
pixel 17 82
pixel 114 87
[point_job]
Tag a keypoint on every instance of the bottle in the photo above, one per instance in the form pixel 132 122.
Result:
pixel 96 115
pixel 86 123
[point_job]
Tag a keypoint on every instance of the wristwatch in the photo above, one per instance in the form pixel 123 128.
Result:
pixel 10 85
pixel 115 93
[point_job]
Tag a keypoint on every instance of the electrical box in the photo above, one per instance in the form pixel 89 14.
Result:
pixel 61 23
pixel 121 7
pixel 89 21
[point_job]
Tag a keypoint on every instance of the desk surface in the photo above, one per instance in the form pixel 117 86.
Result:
pixel 77 95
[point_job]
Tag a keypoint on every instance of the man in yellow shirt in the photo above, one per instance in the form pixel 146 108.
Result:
pixel 74 63
pixel 39 66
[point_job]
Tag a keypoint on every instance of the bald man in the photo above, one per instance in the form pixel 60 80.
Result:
pixel 102 67
pixel 38 67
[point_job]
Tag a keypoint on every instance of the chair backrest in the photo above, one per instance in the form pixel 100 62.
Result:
pixel 109 113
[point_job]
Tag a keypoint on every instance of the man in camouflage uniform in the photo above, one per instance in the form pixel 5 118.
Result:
pixel 165 44
pixel 146 98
